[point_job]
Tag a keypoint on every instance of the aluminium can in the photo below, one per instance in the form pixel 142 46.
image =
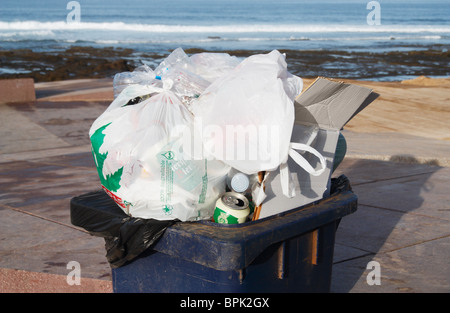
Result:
pixel 231 208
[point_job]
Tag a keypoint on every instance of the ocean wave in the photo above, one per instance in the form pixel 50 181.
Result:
pixel 235 28
pixel 251 39
pixel 27 33
pixel 209 39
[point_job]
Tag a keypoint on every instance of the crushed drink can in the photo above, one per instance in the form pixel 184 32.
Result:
pixel 231 208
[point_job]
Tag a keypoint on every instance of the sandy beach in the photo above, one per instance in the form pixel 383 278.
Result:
pixel 417 107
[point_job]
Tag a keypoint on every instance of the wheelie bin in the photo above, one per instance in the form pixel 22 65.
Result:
pixel 286 253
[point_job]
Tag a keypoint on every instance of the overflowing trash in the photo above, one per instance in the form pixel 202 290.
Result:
pixel 198 137
pixel 212 138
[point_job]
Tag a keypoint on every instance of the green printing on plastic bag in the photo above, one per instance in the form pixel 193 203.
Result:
pixel 112 181
pixel 166 190
pixel 183 173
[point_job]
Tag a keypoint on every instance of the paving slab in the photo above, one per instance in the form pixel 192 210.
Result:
pixel 378 230
pixel 402 222
pixel 52 121
pixel 38 244
pixel 397 147
pixel 31 185
pixel 44 153
pixel 19 133
pixel 76 89
pixel 421 268
pixel 363 171
pixel 422 189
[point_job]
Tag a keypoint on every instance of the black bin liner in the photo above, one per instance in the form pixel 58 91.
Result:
pixel 125 237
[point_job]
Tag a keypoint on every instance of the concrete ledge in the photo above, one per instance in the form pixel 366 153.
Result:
pixel 17 90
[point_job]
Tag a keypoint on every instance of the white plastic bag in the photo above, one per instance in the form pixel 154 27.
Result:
pixel 138 141
pixel 177 58
pixel 138 152
pixel 252 109
pixel 210 66
pixel 190 76
pixel 187 85
pixel 247 116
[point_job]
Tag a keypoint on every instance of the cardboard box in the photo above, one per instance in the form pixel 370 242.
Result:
pixel 320 113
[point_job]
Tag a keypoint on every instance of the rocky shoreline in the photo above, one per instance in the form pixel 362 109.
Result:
pixel 89 62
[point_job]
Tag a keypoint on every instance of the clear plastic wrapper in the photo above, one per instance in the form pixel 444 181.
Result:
pixel 142 75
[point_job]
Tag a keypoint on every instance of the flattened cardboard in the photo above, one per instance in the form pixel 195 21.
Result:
pixel 320 112
pixel 330 104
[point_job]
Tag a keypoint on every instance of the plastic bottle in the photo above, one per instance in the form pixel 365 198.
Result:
pixel 238 182
pixel 242 183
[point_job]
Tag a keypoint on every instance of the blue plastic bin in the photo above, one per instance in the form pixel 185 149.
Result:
pixel 292 252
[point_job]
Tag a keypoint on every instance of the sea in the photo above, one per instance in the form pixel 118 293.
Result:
pixel 153 26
